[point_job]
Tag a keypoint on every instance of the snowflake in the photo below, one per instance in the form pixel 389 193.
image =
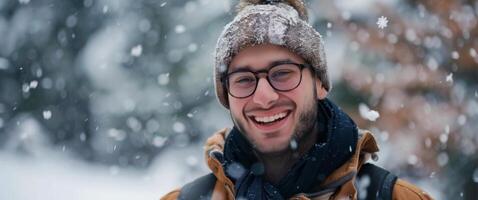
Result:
pixel 455 55
pixel 449 78
pixel 367 113
pixel 33 84
pixel 179 127
pixel 46 114
pixel 159 141
pixel 475 175
pixel 105 9
pixel 382 22
pixel 163 79
pixel 293 144
pixel 137 50
pixel 180 29
pixel 472 52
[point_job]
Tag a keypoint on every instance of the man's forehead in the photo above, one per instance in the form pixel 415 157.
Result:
pixel 264 49
pixel 255 67
pixel 262 56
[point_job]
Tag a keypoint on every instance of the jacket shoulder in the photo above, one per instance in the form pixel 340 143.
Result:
pixel 405 190
pixel 173 195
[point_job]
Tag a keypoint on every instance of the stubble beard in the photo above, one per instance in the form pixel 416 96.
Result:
pixel 304 126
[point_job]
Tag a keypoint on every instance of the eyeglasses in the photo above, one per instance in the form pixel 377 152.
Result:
pixel 282 76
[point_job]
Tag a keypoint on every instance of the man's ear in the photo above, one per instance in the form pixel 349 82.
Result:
pixel 321 91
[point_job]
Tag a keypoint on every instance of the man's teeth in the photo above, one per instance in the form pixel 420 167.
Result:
pixel 270 118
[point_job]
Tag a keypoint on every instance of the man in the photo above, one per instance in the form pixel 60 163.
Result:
pixel 289 140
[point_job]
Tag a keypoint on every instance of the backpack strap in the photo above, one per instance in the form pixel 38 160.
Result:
pixel 201 188
pixel 381 182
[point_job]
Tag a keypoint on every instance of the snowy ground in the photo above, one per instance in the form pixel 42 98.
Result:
pixel 59 177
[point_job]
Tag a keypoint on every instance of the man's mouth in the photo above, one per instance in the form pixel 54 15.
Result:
pixel 272 119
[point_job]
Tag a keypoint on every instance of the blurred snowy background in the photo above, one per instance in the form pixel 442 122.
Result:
pixel 113 99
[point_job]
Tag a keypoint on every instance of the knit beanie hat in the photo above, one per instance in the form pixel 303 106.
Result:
pixel 279 22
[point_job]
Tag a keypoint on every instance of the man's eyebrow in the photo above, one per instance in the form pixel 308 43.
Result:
pixel 276 62
pixel 241 68
pixel 249 68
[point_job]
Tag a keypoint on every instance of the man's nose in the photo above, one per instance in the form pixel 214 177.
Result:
pixel 265 95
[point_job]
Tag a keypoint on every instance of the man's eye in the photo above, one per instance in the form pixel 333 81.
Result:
pixel 281 74
pixel 244 80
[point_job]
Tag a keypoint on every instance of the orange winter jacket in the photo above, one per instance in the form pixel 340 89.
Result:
pixel 342 178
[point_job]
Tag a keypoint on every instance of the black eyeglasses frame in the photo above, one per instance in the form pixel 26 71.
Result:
pixel 225 78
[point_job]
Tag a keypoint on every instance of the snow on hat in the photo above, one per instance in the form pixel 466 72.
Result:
pixel 278 22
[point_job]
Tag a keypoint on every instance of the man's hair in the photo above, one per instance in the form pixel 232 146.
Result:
pixel 283 23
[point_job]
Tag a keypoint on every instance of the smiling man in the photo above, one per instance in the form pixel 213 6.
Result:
pixel 285 103
pixel 288 140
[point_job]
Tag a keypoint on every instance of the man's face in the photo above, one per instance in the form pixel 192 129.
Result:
pixel 293 111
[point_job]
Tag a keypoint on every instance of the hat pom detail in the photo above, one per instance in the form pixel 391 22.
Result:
pixel 298 5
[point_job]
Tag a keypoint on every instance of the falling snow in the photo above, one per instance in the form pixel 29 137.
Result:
pixel 455 55
pixel 105 9
pixel 159 141
pixel 235 170
pixel 382 22
pixel 293 144
pixel 442 159
pixel 179 127
pixel 180 29
pixel 136 51
pixel 461 120
pixel 473 52
pixel 368 114
pixel 432 64
pixel 25 88
pixel 163 79
pixel 475 175
pixel 443 138
pixel 363 183
pixel 139 92
pixel 33 84
pixel 117 134
pixel 4 64
pixel 83 137
pixel 46 114
pixel 449 78
pixel 412 159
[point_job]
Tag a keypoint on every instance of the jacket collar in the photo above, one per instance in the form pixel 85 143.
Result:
pixel 366 148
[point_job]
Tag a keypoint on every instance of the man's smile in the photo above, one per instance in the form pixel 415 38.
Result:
pixel 269 121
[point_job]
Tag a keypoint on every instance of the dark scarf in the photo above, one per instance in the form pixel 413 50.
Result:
pixel 336 143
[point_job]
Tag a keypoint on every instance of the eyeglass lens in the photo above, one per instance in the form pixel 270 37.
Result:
pixel 281 77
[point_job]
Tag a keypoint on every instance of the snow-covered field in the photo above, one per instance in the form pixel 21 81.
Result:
pixel 59 177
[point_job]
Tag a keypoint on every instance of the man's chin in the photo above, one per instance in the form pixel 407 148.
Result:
pixel 271 149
